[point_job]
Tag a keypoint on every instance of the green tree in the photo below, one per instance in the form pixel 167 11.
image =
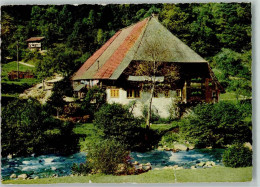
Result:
pixel 237 155
pixel 95 98
pixel 105 156
pixel 217 125
pixel 27 127
pixel 60 89
pixel 116 122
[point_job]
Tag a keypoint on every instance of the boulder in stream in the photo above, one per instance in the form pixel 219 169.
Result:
pixel 22 176
pixel 13 176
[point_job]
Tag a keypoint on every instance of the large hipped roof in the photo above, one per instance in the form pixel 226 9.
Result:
pixel 138 42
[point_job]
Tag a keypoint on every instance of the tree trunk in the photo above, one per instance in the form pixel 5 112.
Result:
pixel 148 120
pixel 43 84
pixel 149 113
pixel 57 113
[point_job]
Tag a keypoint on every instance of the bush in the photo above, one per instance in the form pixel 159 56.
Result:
pixel 237 156
pixel 60 89
pixel 169 138
pixel 14 88
pixel 80 169
pixel 28 128
pixel 117 122
pixel 105 156
pixel 217 125
pixel 94 99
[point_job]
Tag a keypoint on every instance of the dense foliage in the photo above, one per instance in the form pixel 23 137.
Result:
pixel 117 122
pixel 28 128
pixel 218 124
pixel 93 101
pixel 219 32
pixel 60 90
pixel 105 156
pixel 237 155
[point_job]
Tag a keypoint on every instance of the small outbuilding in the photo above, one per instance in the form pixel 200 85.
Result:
pixel 35 43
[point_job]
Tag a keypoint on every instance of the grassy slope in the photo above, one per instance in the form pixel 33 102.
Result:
pixel 217 174
pixel 6 68
pixel 13 66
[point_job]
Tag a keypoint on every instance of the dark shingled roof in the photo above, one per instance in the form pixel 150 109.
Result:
pixel 130 44
pixel 35 39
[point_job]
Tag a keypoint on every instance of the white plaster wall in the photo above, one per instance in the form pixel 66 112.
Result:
pixel 160 105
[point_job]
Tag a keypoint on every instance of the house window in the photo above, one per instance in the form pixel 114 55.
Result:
pixel 114 93
pixel 178 92
pixel 167 93
pixel 131 93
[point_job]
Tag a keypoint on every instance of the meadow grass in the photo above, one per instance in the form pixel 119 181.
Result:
pixel 6 68
pixel 216 174
pixel 229 96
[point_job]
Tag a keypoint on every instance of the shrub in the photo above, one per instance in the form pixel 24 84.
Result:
pixel 94 99
pixel 117 122
pixel 60 89
pixel 237 156
pixel 169 138
pixel 217 125
pixel 105 156
pixel 80 169
pixel 28 128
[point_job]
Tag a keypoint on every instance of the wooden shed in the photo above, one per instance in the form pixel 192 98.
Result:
pixel 35 43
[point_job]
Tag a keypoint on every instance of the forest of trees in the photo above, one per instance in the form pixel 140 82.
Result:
pixel 219 32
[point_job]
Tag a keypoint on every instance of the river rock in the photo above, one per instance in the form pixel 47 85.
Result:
pixel 147 168
pixel 193 167
pixel 22 176
pixel 181 147
pixel 201 164
pixel 179 168
pixel 135 163
pixel 53 168
pixel 160 148
pixel 9 156
pixel 175 150
pixel 36 178
pixel 147 164
pixel 210 164
pixel 54 175
pixel 13 176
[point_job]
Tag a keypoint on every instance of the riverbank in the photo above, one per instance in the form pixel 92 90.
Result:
pixel 214 174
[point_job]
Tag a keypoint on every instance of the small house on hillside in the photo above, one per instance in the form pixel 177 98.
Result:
pixel 115 65
pixel 35 43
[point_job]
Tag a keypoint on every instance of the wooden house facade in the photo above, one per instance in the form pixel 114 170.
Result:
pixel 35 43
pixel 113 67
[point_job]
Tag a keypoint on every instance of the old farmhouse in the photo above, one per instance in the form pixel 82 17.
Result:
pixel 116 68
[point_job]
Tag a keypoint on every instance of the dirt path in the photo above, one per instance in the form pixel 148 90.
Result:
pixel 37 91
pixel 30 65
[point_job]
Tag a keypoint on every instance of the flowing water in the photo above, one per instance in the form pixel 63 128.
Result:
pixel 47 165
pixel 186 159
